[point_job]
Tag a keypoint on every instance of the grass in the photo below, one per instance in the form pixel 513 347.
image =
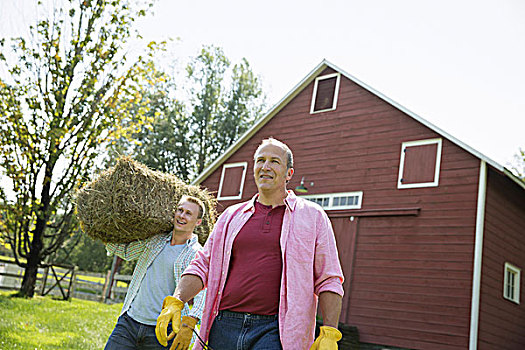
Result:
pixel 99 280
pixel 43 323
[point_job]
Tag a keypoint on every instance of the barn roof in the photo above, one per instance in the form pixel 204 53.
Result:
pixel 305 82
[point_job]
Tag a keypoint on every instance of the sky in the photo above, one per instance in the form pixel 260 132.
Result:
pixel 459 64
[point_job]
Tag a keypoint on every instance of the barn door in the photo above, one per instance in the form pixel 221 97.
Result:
pixel 345 229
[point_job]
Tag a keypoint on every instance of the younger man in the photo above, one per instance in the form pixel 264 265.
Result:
pixel 161 261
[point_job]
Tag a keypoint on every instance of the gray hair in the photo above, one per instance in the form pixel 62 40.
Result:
pixel 272 141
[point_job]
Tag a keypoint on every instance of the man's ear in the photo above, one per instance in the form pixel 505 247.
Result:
pixel 289 174
pixel 198 222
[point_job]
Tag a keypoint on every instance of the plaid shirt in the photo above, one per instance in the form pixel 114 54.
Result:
pixel 146 251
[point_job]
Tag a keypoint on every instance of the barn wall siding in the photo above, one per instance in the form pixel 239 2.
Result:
pixel 411 276
pixel 504 241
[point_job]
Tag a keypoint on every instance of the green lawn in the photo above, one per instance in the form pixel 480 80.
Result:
pixel 99 280
pixel 44 323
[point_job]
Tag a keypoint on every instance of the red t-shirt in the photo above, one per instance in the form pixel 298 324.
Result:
pixel 254 277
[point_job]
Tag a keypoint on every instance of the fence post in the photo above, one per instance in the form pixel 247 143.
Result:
pixel 106 284
pixel 44 280
pixel 114 267
pixel 72 283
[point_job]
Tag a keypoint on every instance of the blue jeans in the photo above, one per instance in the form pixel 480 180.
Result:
pixel 242 331
pixel 132 335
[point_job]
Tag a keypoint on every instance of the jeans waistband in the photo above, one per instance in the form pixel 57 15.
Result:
pixel 128 316
pixel 243 315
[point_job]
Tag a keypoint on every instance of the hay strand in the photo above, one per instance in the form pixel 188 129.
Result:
pixel 130 201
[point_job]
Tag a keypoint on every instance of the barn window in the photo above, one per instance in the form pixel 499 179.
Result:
pixel 419 164
pixel 232 181
pixel 337 201
pixel 511 283
pixel 326 90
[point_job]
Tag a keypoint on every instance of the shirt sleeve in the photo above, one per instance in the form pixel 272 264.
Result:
pixel 199 266
pixel 198 305
pixel 328 275
pixel 199 300
pixel 201 263
pixel 126 251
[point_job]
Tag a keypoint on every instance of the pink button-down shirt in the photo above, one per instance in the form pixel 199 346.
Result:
pixel 310 266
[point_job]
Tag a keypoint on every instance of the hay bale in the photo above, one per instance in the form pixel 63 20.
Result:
pixel 130 202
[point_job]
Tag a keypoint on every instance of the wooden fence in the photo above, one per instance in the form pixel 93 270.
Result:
pixel 66 281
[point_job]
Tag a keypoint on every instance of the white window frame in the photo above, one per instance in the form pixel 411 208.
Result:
pixel 227 166
pixel 433 183
pixel 336 92
pixel 331 196
pixel 517 272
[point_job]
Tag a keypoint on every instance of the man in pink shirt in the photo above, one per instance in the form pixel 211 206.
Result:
pixel 266 265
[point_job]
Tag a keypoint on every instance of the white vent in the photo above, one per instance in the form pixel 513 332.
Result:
pixel 337 201
pixel 326 91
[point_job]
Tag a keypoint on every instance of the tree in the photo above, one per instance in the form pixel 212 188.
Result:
pixel 56 107
pixel 154 143
pixel 86 253
pixel 218 102
pixel 90 255
pixel 220 114
pixel 519 164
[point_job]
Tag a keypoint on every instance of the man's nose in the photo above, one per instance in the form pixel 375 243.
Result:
pixel 266 165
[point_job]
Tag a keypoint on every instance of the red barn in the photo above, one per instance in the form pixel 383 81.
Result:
pixel 430 232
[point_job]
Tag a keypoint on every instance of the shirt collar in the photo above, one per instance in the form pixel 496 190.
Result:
pixel 194 238
pixel 290 201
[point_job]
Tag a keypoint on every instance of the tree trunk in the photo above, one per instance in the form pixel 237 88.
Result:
pixel 27 289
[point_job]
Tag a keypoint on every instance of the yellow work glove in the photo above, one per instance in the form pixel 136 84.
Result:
pixel 171 309
pixel 183 339
pixel 327 339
